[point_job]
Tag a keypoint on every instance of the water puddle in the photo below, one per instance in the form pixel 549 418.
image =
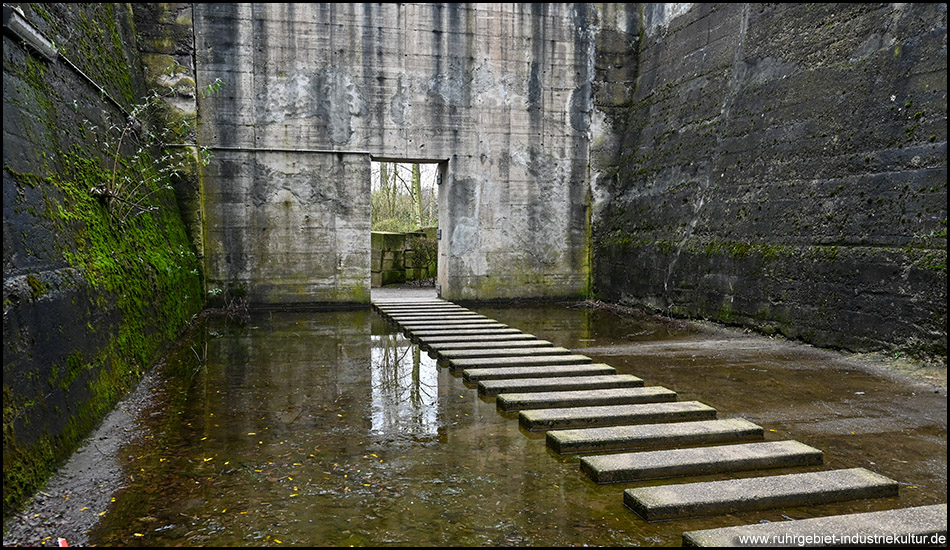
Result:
pixel 328 428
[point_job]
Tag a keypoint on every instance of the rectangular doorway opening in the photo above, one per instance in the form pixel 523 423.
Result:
pixel 405 221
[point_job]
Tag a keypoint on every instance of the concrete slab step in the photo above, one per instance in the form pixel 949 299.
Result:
pixel 475 375
pixel 583 398
pixel 449 323
pixel 455 354
pixel 730 496
pixel 412 303
pixel 491 388
pixel 612 415
pixel 518 361
pixel 488 343
pixel 416 316
pixel 453 329
pixel 429 341
pixel 917 526
pixel 424 307
pixel 438 334
pixel 646 436
pixel 616 468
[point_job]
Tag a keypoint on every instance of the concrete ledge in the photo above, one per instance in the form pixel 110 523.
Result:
pixel 919 526
pixel 535 361
pixel 475 375
pixel 611 415
pixel 584 398
pixel 618 438
pixel 758 493
pixel 491 388
pixel 617 468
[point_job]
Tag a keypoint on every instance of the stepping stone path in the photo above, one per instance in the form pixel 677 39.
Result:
pixel 587 408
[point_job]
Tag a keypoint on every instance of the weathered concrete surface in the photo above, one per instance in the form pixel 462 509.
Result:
pixel 284 227
pixel 612 415
pixel 460 354
pixel 785 167
pixel 475 375
pixel 615 468
pixel 449 323
pixel 917 526
pixel 617 438
pixel 583 398
pixel 436 316
pixel 428 340
pixel 99 274
pixel 491 388
pixel 758 493
pixel 525 361
pixel 504 96
pixel 486 343
pixel 437 334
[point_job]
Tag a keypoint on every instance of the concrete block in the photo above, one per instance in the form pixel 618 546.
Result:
pixel 917 526
pixel 488 343
pixel 583 398
pixel 758 493
pixel 615 468
pixel 618 438
pixel 459 354
pixel 611 415
pixel 475 375
pixel 519 361
pixel 491 388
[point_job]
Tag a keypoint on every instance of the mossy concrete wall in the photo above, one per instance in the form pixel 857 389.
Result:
pixel 90 295
pixel 500 94
pixel 785 168
pixel 404 257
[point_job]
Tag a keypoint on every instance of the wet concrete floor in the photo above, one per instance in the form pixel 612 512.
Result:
pixel 329 428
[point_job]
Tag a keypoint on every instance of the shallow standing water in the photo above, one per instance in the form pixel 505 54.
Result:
pixel 329 428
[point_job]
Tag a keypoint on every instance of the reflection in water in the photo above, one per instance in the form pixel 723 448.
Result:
pixel 327 428
pixel 405 388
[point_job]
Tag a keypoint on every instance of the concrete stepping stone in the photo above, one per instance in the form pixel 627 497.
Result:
pixel 469 340
pixel 450 323
pixel 414 304
pixel 454 316
pixel 533 361
pixel 619 438
pixel 435 333
pixel 583 398
pixel 454 329
pixel 918 526
pixel 758 493
pixel 475 375
pixel 616 468
pixel 456 354
pixel 491 388
pixel 419 309
pixel 611 415
pixel 488 343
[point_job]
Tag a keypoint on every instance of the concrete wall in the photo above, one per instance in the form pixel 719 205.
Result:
pixel 785 167
pixel 90 296
pixel 503 94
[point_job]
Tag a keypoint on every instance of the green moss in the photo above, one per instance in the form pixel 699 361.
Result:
pixel 143 267
pixel 37 287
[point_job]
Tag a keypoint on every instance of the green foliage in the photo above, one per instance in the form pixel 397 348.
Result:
pixel 403 199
